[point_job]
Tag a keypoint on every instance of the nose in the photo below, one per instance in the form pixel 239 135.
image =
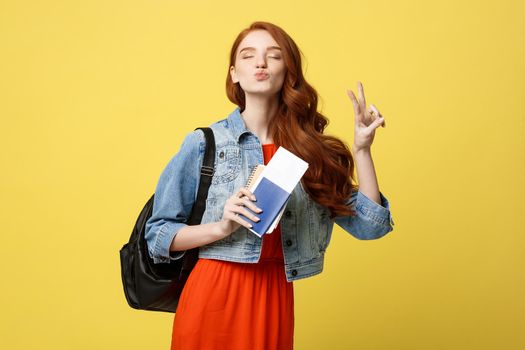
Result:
pixel 261 61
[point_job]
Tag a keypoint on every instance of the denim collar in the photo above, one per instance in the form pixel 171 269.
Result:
pixel 237 124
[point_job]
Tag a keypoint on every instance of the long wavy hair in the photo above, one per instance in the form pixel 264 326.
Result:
pixel 299 127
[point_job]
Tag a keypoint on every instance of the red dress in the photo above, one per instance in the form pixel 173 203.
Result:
pixel 230 305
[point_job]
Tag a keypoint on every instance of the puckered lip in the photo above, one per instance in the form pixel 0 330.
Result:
pixel 261 75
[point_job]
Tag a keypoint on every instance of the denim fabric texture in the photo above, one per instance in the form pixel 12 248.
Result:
pixel 306 226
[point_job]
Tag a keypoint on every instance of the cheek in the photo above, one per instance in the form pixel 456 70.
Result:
pixel 280 70
pixel 243 74
pixel 241 68
pixel 280 75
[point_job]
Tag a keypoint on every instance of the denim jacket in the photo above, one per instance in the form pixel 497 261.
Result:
pixel 306 226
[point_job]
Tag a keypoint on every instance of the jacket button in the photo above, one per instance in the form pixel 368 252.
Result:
pixel 294 272
pixel 221 155
pixel 288 242
pixel 288 213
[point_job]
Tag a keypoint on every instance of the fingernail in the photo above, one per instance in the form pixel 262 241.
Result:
pixel 258 209
pixel 257 219
pixel 253 198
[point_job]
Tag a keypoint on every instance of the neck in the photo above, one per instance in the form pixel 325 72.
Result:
pixel 257 115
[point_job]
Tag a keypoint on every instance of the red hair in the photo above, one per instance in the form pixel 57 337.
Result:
pixel 298 127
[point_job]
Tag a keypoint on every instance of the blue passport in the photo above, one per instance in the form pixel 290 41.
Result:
pixel 270 198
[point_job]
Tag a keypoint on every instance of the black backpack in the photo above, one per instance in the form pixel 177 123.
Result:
pixel 157 287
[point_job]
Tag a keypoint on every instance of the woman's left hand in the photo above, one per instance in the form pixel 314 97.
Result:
pixel 366 120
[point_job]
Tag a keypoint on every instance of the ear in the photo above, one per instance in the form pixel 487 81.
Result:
pixel 233 74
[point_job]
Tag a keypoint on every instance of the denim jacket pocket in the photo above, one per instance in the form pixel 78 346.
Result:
pixel 227 164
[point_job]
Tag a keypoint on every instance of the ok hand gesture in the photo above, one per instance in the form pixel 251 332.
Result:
pixel 366 120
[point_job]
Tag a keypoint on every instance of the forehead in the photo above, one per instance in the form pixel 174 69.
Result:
pixel 257 39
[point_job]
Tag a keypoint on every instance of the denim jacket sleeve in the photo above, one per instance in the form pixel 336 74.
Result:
pixel 371 221
pixel 174 197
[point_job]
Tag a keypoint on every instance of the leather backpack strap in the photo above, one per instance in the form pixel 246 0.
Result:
pixel 207 170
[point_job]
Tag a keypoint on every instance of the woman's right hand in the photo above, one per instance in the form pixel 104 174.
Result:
pixel 236 205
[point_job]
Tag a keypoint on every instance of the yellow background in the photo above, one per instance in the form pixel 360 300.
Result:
pixel 96 97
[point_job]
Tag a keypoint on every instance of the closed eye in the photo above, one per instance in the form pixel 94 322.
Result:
pixel 276 57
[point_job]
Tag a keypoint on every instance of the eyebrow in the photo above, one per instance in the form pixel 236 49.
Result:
pixel 253 48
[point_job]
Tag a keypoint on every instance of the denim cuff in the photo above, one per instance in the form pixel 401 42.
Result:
pixel 379 214
pixel 165 236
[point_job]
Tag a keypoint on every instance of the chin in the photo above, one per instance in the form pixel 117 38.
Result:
pixel 262 92
pixel 265 87
pixel 267 95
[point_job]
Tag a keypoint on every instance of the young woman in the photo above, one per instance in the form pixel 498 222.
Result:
pixel 240 293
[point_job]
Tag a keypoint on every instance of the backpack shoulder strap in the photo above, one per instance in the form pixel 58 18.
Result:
pixel 207 170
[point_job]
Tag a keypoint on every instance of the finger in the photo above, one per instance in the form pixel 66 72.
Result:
pixel 357 110
pixel 361 91
pixel 370 115
pixel 377 114
pixel 250 205
pixel 246 213
pixel 244 201
pixel 231 215
pixel 243 191
pixel 376 124
pixel 238 208
pixel 373 113
pixel 374 109
pixel 236 218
